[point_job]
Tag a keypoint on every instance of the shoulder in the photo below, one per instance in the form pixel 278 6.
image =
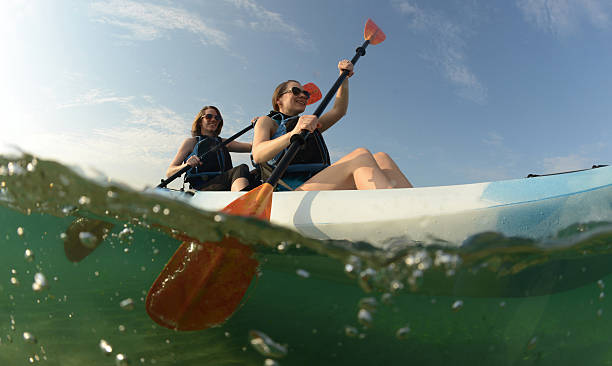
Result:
pixel 189 143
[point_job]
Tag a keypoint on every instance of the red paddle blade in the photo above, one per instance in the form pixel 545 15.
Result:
pixel 315 93
pixel 256 203
pixel 202 285
pixel 373 33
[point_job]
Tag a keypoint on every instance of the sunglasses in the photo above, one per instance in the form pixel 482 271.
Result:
pixel 296 91
pixel 211 116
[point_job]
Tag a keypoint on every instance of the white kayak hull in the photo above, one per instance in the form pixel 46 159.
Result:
pixel 532 208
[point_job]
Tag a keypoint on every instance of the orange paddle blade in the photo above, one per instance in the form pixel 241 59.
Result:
pixel 315 93
pixel 256 203
pixel 373 33
pixel 202 285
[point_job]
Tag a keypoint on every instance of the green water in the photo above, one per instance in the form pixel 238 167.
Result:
pixel 502 301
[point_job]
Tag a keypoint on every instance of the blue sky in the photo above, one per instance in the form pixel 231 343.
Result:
pixel 460 92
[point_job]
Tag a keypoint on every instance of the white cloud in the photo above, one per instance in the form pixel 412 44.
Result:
pixel 565 163
pixel 94 97
pixel 261 19
pixel 493 139
pixel 564 16
pixel 449 51
pixel 146 21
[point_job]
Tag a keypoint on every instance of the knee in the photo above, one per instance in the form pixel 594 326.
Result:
pixel 361 152
pixel 382 156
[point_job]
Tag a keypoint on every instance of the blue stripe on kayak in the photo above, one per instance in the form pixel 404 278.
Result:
pixel 534 189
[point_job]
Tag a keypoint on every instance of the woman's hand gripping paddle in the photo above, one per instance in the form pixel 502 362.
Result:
pixel 203 283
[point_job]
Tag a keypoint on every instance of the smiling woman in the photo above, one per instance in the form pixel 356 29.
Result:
pixel 311 169
pixel 214 172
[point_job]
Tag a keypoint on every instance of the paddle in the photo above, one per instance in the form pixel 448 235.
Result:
pixel 204 283
pixel 315 96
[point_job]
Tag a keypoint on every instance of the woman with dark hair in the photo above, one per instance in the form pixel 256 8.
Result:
pixel 215 171
pixel 311 170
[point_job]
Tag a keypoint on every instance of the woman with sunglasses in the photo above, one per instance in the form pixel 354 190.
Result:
pixel 214 172
pixel 311 170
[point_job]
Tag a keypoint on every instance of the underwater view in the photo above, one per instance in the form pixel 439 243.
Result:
pixel 80 254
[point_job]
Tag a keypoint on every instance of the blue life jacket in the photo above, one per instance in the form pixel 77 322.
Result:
pixel 213 164
pixel 310 159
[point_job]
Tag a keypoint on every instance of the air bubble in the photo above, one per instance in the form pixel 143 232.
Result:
pixel 121 360
pixel 271 362
pixel 218 218
pixel 402 333
pixel 352 266
pixel 166 211
pixel 156 208
pixel 40 282
pixel 533 342
pixel 601 284
pixel 29 337
pixel 368 303
pixel 457 305
pixel 365 318
pixel 302 273
pixel 266 346
pixel 28 256
pixel 84 200
pixel 20 231
pixel 351 331
pixel 127 304
pixel 105 347
pixel 88 239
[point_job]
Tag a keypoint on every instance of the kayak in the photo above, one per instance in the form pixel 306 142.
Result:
pixel 537 208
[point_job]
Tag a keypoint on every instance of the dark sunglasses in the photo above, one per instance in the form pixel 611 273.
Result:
pixel 211 116
pixel 296 91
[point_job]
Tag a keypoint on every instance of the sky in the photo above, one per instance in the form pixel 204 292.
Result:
pixel 461 91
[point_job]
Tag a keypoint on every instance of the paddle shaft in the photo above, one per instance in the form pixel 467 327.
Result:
pixel 165 182
pixel 298 140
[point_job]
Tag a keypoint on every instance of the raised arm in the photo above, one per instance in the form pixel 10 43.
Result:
pixel 342 98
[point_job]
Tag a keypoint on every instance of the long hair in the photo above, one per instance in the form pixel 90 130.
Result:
pixel 279 89
pixel 196 126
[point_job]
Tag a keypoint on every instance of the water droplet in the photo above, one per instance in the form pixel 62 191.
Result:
pixel 218 218
pixel 29 337
pixel 166 211
pixel 84 200
pixel 365 318
pixel 29 256
pixel 88 239
pixel 14 281
pixel 121 328
pixel 20 231
pixel 121 360
pixel 111 194
pixel 127 304
pixel 227 334
pixel 156 208
pixel 351 331
pixel 402 333
pixel 302 273
pixel 105 347
pixel 266 346
pixel 30 167
pixel 457 305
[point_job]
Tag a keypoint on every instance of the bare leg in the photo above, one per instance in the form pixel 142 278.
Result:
pixel 240 184
pixel 392 171
pixel 356 170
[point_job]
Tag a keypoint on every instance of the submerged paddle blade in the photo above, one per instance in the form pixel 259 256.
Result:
pixel 373 33
pixel 315 93
pixel 256 203
pixel 202 285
